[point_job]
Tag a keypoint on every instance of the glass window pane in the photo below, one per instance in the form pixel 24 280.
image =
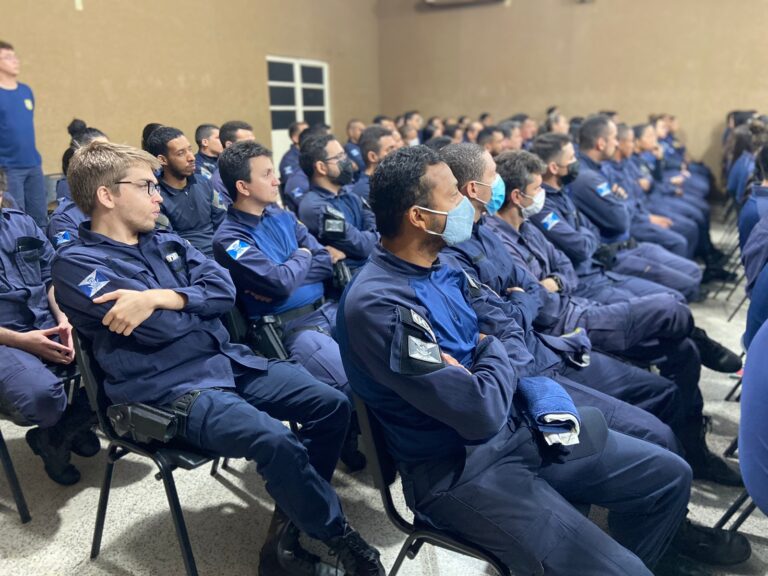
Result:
pixel 282 96
pixel 281 119
pixel 280 71
pixel 314 117
pixel 313 97
pixel 311 75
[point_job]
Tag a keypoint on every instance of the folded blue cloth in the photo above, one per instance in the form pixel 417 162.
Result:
pixel 545 396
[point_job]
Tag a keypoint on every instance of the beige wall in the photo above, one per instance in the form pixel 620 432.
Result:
pixel 694 58
pixel 119 64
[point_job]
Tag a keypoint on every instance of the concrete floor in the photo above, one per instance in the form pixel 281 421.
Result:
pixel 227 516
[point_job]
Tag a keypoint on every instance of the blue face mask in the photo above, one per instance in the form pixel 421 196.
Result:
pixel 458 222
pixel 498 195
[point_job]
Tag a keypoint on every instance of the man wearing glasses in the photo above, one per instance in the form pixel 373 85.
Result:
pixel 18 153
pixel 332 214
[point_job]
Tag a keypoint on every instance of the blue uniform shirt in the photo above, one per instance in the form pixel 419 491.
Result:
pixel 753 210
pixel 354 153
pixel 394 322
pixel 64 223
pixel 62 189
pixel 289 164
pixel 296 186
pixel 171 352
pixel 755 253
pixel 360 234
pixel 17 128
pixel 194 213
pixel 262 253
pixel 363 186
pixel 738 177
pixel 25 273
pixel 205 165
pixel 591 192
pixel 218 186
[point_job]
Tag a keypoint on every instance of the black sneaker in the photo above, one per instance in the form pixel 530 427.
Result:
pixel 357 556
pixel 55 457
pixel 352 458
pixel 710 546
pixel 714 355
pixel 86 443
pixel 673 564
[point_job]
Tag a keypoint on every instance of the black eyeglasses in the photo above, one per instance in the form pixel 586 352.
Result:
pixel 151 188
pixel 338 157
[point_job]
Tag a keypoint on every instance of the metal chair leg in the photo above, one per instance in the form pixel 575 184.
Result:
pixel 732 509
pixel 732 447
pixel 214 466
pixel 401 556
pixel 733 390
pixel 13 481
pixel 177 515
pixel 101 511
pixel 225 464
pixel 743 516
pixel 735 310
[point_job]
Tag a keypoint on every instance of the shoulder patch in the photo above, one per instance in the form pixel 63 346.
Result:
pixel 330 210
pixel 420 321
pixel 550 221
pixel 93 283
pixel 288 170
pixel 62 238
pixel 603 190
pixel 237 249
pixel 424 351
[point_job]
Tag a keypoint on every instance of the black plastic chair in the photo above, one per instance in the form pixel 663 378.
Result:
pixel 167 457
pixel 13 482
pixel 742 499
pixel 384 473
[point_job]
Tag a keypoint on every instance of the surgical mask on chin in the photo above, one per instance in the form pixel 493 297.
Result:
pixel 498 195
pixel 458 222
pixel 535 208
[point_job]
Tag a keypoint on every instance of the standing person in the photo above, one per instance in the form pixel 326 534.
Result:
pixel 18 153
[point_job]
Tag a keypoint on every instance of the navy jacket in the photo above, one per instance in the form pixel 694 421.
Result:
pixel 591 192
pixel 289 164
pixel 64 222
pixel 205 165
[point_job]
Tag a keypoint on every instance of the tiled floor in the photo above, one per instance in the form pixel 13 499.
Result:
pixel 228 515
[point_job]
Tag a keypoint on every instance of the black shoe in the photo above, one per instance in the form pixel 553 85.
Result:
pixel 715 469
pixel 710 546
pixel 673 564
pixel 714 355
pixel 55 457
pixel 717 274
pixel 357 556
pixel 86 443
pixel 352 458
pixel 282 554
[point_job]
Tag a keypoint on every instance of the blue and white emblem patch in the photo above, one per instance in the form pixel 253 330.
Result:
pixel 237 249
pixel 91 284
pixel 603 190
pixel 550 221
pixel 62 238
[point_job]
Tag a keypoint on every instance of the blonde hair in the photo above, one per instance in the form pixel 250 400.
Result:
pixel 102 164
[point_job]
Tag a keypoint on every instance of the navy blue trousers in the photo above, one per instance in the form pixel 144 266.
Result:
pixel 653 262
pixel 297 469
pixel 29 392
pixel 507 496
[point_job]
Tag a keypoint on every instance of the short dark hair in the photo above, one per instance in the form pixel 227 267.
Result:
pixel 314 130
pixel 622 130
pixel 235 163
pixel 484 116
pixel 81 135
pixel 761 164
pixel 354 121
pixel 229 129
pixel 549 146
pixel 466 161
pixel 486 134
pixel 640 128
pixel 438 142
pixel 370 141
pixel 312 151
pixel 5 45
pixel 145 134
pixel 521 117
pixel 410 114
pixel 293 129
pixel 203 132
pixel 379 118
pixel 610 113
pixel 592 129
pixel 158 140
pixel 517 168
pixel 399 183
pixel 451 129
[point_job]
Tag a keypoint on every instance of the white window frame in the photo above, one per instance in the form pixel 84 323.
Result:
pixel 298 86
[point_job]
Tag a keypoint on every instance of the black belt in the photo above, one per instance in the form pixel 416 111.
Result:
pixel 299 312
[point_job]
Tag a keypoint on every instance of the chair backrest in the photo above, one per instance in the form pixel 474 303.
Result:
pixel 236 325
pixel 92 378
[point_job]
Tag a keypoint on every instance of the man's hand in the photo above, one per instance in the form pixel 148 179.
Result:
pixel 514 289
pixel 662 221
pixel 132 307
pixel 550 285
pixel 677 180
pixel 336 254
pixel 619 191
pixel 451 361
pixel 658 151
pixel 645 184
pixel 258 297
pixel 39 343
pixel 65 335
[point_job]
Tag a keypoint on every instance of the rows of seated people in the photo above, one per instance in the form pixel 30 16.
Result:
pixel 496 295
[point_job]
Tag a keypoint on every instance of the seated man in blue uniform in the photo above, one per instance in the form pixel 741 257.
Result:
pixel 290 160
pixel 332 214
pixel 230 132
pixel 756 204
pixel 753 427
pixel 297 184
pixel 606 207
pixel 457 418
pixel 646 329
pixel 578 238
pixel 208 149
pixel 355 129
pixel 36 338
pixel 191 208
pixel 279 270
pixel 150 303
pixel 375 143
pixel 754 255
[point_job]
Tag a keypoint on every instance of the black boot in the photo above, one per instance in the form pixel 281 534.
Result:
pixel 714 355
pixel 80 421
pixel 49 444
pixel 717 274
pixel 282 554
pixel 705 464
pixel 352 458
pixel 357 556
pixel 710 546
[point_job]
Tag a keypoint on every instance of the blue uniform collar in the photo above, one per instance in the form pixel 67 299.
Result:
pixel 551 189
pixel 589 163
pixel 386 259
pixel 191 180
pixel 91 238
pixel 212 159
pixel 325 193
pixel 248 219
pixel 507 227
